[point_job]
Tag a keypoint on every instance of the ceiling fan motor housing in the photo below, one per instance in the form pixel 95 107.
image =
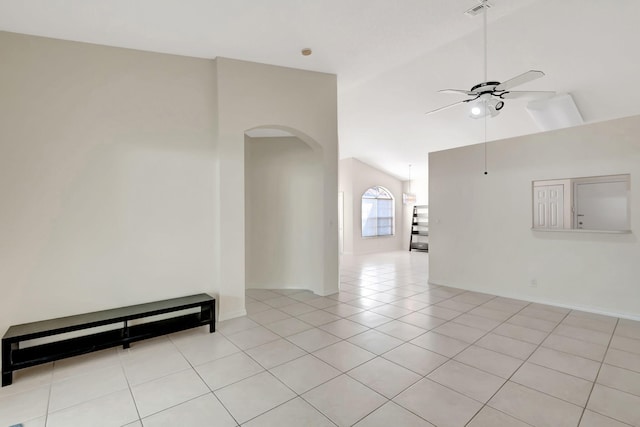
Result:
pixel 485 87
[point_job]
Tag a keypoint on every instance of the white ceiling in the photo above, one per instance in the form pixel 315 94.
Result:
pixel 391 57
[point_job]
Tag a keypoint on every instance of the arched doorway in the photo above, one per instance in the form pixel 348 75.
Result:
pixel 283 210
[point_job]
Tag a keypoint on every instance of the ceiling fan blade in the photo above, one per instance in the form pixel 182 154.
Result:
pixel 447 106
pixel 465 92
pixel 521 79
pixel 524 94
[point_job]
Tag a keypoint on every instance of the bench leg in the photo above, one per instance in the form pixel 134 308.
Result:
pixel 7 378
pixel 7 372
pixel 210 314
pixel 125 335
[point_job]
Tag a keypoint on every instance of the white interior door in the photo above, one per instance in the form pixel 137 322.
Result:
pixel 548 209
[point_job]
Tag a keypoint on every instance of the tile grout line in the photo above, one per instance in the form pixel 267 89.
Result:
pixel 595 380
pixel 46 415
pixel 203 381
pixel 518 368
pixel 297 395
pixel 198 374
pixel 449 358
pixel 548 333
pixel 342 373
pixel 174 406
pixel 422 377
pixel 346 372
pixel 126 378
pixel 560 351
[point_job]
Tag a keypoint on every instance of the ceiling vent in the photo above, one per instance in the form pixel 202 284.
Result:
pixel 555 113
pixel 477 10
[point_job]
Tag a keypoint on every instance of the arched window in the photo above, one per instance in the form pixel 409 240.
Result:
pixel 377 212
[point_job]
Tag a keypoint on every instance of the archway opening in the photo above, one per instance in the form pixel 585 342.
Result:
pixel 283 210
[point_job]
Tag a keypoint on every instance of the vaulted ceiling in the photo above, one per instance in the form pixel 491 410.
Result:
pixel 391 57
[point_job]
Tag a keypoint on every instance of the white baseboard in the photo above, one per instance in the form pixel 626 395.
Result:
pixel 280 287
pixel 293 287
pixel 232 315
pixel 593 310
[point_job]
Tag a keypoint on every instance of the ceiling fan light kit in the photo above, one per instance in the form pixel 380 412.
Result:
pixel 485 106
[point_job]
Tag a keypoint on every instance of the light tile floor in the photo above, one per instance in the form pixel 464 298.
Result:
pixel 389 349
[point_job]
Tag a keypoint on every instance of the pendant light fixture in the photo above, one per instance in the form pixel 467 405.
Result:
pixel 409 198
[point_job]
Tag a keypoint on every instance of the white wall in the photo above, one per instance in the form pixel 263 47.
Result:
pixel 107 167
pixel 283 184
pixel 355 178
pixel 122 174
pixel 480 226
pixel 304 103
pixel 345 185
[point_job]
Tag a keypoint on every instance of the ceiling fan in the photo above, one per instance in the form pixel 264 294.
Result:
pixel 487 97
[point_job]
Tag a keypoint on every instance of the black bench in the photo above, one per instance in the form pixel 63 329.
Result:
pixel 15 358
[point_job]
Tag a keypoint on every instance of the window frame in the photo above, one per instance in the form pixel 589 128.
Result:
pixel 384 194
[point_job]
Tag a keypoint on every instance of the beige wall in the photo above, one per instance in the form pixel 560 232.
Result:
pixel 304 103
pixel 107 168
pixel 123 174
pixel 345 185
pixel 481 237
pixel 355 178
pixel 283 214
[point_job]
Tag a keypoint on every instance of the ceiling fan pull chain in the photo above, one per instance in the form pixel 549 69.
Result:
pixel 485 145
pixel 484 13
